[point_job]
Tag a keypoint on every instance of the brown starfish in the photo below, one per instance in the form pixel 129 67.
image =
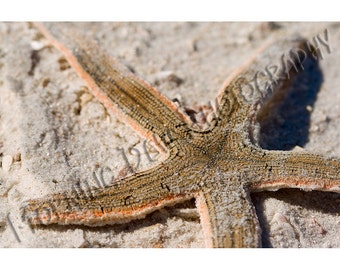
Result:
pixel 218 166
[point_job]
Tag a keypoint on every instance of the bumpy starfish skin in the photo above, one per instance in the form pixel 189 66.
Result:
pixel 219 166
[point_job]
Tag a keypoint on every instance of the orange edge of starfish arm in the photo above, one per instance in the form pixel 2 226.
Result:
pixel 112 216
pixel 202 209
pixel 296 182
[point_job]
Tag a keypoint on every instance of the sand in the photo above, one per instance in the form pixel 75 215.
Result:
pixel 54 134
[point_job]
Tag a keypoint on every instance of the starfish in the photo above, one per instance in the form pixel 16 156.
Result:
pixel 219 166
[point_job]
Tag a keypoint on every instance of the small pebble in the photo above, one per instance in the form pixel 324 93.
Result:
pixel 7 162
pixel 36 45
pixel 2 220
pixel 298 149
pixel 166 76
pixel 17 157
pixel 85 98
pixel 309 108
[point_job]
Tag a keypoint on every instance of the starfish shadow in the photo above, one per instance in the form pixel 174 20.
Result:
pixel 285 120
pixel 284 124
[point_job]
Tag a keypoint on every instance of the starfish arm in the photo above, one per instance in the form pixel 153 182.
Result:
pixel 264 76
pixel 227 216
pixel 147 110
pixel 127 199
pixel 296 170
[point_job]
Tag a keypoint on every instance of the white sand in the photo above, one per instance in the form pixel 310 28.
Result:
pixel 53 134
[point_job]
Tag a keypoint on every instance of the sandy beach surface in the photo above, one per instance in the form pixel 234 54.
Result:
pixel 54 134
